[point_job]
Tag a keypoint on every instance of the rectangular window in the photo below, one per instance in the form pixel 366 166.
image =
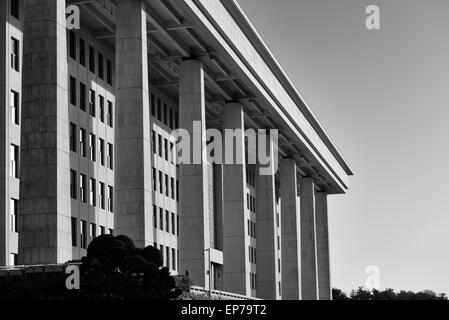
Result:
pixel 111 232
pixel 83 234
pixel 73 187
pixel 159 137
pixel 73 137
pixel 92 192
pixel 110 114
pixel 72 92
pixel 91 59
pixel 162 253
pixel 172 153
pixel 72 45
pixel 13 214
pixel 167 186
pixel 173 258
pixel 159 110
pixel 161 219
pixel 14 158
pixel 176 121
pixel 153 107
pixel 92 147
pixel 100 66
pixel 167 253
pixel 153 141
pixel 83 142
pixel 15 55
pixel 82 48
pixel 15 9
pixel 166 149
pixel 92 107
pixel 83 92
pixel 83 185
pixel 279 243
pixel 111 199
pixel 74 232
pixel 14 97
pixel 161 183
pixel 154 217
pixel 102 230
pixel 172 184
pixel 110 156
pixel 167 221
pixel 101 102
pixel 101 151
pixel 177 225
pixel 170 118
pixel 102 196
pixel 92 231
pixel 177 190
pixel 154 179
pixel 109 72
pixel 165 114
pixel 173 225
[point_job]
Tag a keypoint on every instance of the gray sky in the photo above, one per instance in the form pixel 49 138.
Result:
pixel 383 97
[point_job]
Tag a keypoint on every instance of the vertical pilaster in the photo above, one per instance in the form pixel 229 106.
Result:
pixel 291 254
pixel 193 178
pixel 322 240
pixel 44 217
pixel 132 130
pixel 308 241
pixel 235 240
pixel 267 275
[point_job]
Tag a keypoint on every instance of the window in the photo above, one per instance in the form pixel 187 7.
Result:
pixel 166 149
pixel 153 141
pixel 173 258
pixel 159 137
pixel 72 92
pixel 110 156
pixel 101 108
pixel 176 121
pixel 15 117
pixel 154 217
pixel 101 151
pixel 92 231
pixel 73 140
pixel 165 115
pixel 83 142
pixel 161 219
pixel 162 253
pixel 14 155
pixel 83 183
pixel 161 183
pixel 92 192
pixel 111 231
pixel 110 114
pixel 74 232
pixel 279 265
pixel 92 106
pixel 109 72
pixel 167 221
pixel 72 45
pixel 91 59
pixel 170 118
pixel 102 196
pixel 100 66
pixel 102 230
pixel 111 199
pixel 172 184
pixel 167 186
pixel 154 179
pixel 15 9
pixel 177 190
pixel 279 243
pixel 92 147
pixel 172 155
pixel 177 225
pixel 82 48
pixel 173 226
pixel 15 56
pixel 83 234
pixel 83 91
pixel 13 214
pixel 167 253
pixel 73 187
pixel 153 107
pixel 159 110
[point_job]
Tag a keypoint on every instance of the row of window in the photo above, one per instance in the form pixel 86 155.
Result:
pixel 168 188
pixel 77 50
pixel 251 203
pixel 164 113
pixel 250 178
pixel 105 158
pixel 85 237
pixel 164 149
pixel 252 229
pixel 160 222
pixel 169 263
pixel 87 191
pixel 73 99
pixel 252 255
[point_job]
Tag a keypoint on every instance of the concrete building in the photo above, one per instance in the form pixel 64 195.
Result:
pixel 87 144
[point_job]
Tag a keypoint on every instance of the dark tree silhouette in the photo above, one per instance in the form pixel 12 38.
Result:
pixel 362 293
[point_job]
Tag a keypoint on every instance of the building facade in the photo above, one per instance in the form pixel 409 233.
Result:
pixel 88 144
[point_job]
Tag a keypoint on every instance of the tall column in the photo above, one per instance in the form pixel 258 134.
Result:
pixel 193 178
pixel 308 243
pixel 235 240
pixel 133 215
pixel 291 254
pixel 267 275
pixel 44 217
pixel 322 242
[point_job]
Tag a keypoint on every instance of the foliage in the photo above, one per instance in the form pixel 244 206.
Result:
pixel 362 293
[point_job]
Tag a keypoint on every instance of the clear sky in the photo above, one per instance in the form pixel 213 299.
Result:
pixel 383 97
